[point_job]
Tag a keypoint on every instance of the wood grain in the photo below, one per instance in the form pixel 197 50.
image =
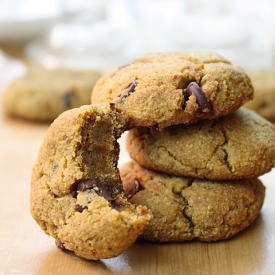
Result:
pixel 25 249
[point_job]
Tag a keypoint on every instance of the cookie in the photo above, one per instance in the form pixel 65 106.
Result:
pixel 41 94
pixel 264 93
pixel 163 89
pixel 76 192
pixel 186 209
pixel 239 145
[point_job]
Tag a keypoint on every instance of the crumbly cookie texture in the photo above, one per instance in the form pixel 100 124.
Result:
pixel 163 89
pixel 42 94
pixel 264 93
pixel 76 192
pixel 187 209
pixel 239 145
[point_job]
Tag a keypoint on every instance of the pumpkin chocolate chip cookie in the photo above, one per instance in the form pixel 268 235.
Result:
pixel 235 146
pixel 164 89
pixel 187 209
pixel 76 192
pixel 41 94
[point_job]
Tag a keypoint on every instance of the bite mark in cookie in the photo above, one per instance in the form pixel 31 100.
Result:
pixel 76 191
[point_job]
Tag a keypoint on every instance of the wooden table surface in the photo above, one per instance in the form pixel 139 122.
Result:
pixel 25 249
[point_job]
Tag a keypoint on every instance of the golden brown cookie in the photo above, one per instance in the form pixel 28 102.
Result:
pixel 163 89
pixel 264 93
pixel 239 145
pixel 76 192
pixel 42 94
pixel 187 209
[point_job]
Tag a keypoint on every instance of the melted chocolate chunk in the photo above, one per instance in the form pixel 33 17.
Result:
pixel 194 89
pixel 103 189
pixel 128 91
pixel 116 204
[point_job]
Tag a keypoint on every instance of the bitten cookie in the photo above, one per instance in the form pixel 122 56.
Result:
pixel 239 145
pixel 163 89
pixel 76 192
pixel 187 209
pixel 264 96
pixel 41 94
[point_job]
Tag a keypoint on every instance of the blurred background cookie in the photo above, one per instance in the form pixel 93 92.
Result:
pixel 42 94
pixel 264 93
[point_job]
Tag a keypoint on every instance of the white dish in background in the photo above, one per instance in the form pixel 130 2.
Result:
pixel 23 30
pixel 23 19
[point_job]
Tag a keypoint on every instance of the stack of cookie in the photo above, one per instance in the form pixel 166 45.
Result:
pixel 196 154
pixel 196 158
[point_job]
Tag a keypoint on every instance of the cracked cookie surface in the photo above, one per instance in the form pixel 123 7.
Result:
pixel 42 94
pixel 154 90
pixel 239 145
pixel 187 209
pixel 76 192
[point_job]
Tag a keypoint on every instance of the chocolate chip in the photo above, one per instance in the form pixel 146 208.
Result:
pixel 112 105
pixel 123 66
pixel 137 186
pixel 55 167
pixel 68 141
pixel 80 208
pixel 59 244
pixel 128 91
pixel 154 127
pixel 67 99
pixel 194 89
pixel 136 189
